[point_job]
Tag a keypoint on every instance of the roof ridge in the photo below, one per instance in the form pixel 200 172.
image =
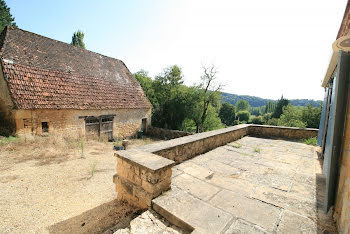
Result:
pixel 65 43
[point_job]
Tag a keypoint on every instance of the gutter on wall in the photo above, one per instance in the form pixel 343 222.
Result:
pixel 342 43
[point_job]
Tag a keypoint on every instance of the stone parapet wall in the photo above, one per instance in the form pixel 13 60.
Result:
pixel 141 176
pixel 166 133
pixel 290 133
pixel 145 172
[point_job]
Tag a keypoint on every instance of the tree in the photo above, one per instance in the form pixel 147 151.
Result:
pixel 146 83
pixel 291 117
pixel 5 16
pixel 227 114
pixel 209 92
pixel 170 105
pixel 242 105
pixel 77 39
pixel 243 116
pixel 212 121
pixel 311 116
pixel 279 107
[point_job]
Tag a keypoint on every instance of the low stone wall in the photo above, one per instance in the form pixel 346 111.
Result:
pixel 145 172
pixel 141 176
pixel 290 133
pixel 166 133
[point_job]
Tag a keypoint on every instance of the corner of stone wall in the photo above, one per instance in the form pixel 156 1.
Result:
pixel 141 177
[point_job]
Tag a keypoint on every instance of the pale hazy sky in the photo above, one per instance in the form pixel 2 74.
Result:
pixel 261 48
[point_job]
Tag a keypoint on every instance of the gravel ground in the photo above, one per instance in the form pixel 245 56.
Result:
pixel 57 192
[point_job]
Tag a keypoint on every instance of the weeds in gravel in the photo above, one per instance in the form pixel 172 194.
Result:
pixel 82 147
pixel 310 141
pixel 236 145
pixel 257 150
pixel 93 168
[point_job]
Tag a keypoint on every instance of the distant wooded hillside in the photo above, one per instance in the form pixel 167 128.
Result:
pixel 257 101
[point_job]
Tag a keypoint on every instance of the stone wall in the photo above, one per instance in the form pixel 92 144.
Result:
pixel 7 125
pixel 166 133
pixel 342 201
pixel 125 124
pixel 141 176
pixel 267 131
pixel 130 184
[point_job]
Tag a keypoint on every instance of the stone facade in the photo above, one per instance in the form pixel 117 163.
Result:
pixel 166 133
pixel 125 124
pixel 145 172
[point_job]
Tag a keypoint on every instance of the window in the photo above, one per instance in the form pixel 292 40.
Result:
pixel 44 127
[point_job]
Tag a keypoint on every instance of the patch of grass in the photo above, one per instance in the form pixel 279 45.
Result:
pixel 93 168
pixel 8 140
pixel 236 145
pixel 257 150
pixel 82 147
pixel 310 141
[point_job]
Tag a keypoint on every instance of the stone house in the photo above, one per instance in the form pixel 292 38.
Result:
pixel 51 86
pixel 334 134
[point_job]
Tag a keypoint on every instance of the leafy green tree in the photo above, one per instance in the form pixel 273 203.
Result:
pixel 270 107
pixel 279 107
pixel 146 83
pixel 258 120
pixel 209 92
pixel 311 116
pixel 291 117
pixel 227 114
pixel 242 105
pixel 78 39
pixel 5 16
pixel 273 122
pixel 212 121
pixel 243 116
pixel 267 116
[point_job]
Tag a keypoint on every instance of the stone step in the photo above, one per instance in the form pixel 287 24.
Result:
pixel 190 213
pixel 150 223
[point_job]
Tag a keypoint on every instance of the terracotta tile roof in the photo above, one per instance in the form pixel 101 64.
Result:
pixel 42 73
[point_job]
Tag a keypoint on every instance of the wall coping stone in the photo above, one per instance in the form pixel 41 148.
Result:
pixel 283 127
pixel 146 160
pixel 155 147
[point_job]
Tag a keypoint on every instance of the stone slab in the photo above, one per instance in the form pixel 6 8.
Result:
pixel 254 211
pixel 240 226
pixel 196 187
pixel 236 185
pixel 292 222
pixel 286 200
pixel 181 208
pixel 195 170
pixel 145 160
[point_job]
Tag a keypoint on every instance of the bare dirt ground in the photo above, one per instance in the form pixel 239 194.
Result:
pixel 58 184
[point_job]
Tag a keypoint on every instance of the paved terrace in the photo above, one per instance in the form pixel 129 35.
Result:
pixel 252 185
pixel 227 181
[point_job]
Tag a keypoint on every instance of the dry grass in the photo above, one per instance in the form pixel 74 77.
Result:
pixel 44 149
pixel 54 148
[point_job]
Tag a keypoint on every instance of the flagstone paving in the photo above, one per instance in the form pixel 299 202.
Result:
pixel 252 185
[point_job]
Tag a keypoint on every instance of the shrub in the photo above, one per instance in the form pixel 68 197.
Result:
pixel 273 122
pixel 258 120
pixel 243 116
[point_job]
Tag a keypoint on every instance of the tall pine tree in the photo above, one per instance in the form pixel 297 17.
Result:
pixel 5 16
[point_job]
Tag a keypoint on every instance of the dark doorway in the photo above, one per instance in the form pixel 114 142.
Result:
pixel 144 125
pixel 44 127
